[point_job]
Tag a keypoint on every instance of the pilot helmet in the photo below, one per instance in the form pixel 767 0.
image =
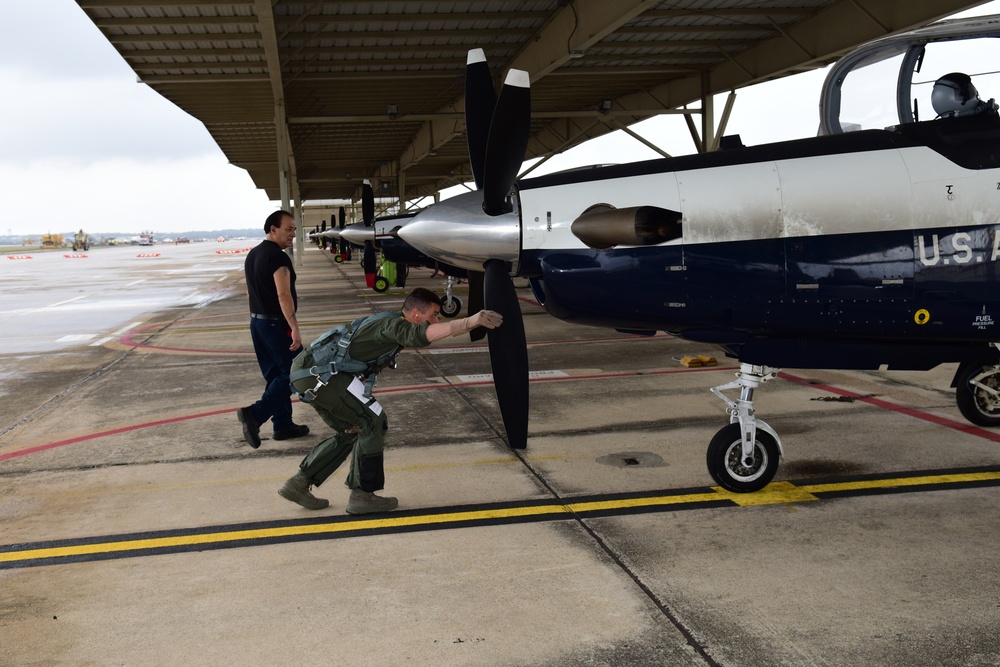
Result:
pixel 954 95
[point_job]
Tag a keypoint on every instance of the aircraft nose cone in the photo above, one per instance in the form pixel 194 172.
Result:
pixel 357 234
pixel 457 232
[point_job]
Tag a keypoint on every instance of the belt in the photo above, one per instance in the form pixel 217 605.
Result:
pixel 261 316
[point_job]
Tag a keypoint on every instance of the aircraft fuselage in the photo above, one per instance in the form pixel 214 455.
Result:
pixel 893 236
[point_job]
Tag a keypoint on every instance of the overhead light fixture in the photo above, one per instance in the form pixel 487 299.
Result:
pixel 577 54
pixel 391 110
pixel 604 106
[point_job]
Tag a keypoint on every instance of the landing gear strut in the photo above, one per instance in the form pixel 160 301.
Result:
pixel 743 456
pixel 451 305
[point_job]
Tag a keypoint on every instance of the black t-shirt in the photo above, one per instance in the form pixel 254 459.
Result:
pixel 259 268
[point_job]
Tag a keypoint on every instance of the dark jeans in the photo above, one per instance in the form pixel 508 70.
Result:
pixel 270 341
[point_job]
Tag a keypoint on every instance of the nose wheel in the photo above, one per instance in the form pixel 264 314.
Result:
pixel 451 305
pixel 732 470
pixel 743 456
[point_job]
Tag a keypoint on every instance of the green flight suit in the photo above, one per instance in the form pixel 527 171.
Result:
pixel 343 410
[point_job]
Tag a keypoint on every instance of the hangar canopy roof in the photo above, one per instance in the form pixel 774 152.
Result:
pixel 332 92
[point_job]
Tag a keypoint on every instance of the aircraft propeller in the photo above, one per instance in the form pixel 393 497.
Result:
pixel 345 247
pixel 498 129
pixel 368 259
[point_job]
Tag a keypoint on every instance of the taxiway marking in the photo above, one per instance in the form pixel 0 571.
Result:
pixel 55 552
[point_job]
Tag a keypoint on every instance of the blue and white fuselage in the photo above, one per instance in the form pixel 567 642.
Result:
pixel 859 250
pixel 866 240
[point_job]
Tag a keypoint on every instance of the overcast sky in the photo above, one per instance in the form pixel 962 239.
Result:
pixel 83 145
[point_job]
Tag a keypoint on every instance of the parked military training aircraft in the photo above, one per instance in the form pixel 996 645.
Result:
pixel 864 249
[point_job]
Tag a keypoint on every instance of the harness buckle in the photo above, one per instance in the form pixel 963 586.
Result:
pixel 309 395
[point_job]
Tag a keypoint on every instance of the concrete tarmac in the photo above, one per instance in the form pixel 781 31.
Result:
pixel 137 528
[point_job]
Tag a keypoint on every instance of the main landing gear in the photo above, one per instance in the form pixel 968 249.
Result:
pixel 743 456
pixel 977 390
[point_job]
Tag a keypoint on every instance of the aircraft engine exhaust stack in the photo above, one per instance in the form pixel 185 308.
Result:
pixel 602 226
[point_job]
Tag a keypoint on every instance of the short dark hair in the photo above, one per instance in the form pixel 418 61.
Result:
pixel 274 220
pixel 421 299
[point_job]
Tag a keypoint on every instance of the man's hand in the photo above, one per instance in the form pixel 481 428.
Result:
pixel 296 338
pixel 486 318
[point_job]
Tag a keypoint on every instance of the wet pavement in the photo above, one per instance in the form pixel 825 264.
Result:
pixel 136 527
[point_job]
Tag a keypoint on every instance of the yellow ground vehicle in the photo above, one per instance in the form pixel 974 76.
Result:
pixel 53 241
pixel 81 241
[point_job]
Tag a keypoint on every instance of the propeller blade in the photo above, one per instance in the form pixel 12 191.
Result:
pixel 368 263
pixel 480 101
pixel 367 203
pixel 507 143
pixel 508 353
pixel 476 302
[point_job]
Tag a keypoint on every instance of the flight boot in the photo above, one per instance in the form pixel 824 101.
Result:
pixel 296 489
pixel 366 502
pixel 251 429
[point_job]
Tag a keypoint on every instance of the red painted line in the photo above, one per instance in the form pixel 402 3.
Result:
pixel 909 412
pixel 392 390
pixel 116 431
pixel 127 340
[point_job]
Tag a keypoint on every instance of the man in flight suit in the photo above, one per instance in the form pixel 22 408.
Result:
pixel 273 328
pixel 358 420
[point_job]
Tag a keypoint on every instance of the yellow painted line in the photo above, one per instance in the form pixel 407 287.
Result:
pixel 773 494
pixel 645 501
pixel 899 482
pixel 282 531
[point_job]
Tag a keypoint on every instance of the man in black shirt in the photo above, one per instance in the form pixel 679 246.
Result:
pixel 273 328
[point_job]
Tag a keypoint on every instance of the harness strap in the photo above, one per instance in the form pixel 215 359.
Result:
pixel 322 375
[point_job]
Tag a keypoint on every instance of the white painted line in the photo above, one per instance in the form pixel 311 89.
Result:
pixel 533 375
pixel 76 298
pixel 102 341
pixel 136 282
pixel 126 328
pixel 75 338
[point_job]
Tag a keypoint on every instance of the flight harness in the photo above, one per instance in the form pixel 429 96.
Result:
pixel 331 355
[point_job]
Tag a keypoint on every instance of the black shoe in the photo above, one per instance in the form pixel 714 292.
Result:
pixel 293 431
pixel 251 429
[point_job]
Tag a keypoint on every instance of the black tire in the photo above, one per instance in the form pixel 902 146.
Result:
pixel 451 308
pixel 724 459
pixel 381 284
pixel 976 405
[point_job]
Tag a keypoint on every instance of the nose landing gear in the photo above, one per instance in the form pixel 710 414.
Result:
pixel 451 305
pixel 743 456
